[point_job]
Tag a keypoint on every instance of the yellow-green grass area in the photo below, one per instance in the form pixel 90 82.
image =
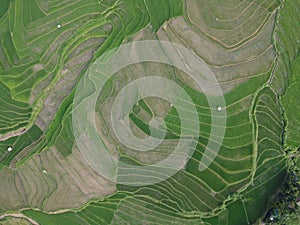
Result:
pixel 291 104
pixel 287 42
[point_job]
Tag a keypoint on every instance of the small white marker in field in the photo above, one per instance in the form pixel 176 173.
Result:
pixel 172 105
pixel 219 108
pixel 44 171
pixel 9 149
pixel 217 19
pixel 58 26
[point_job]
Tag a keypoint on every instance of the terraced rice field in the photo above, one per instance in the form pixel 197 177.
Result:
pixel 47 46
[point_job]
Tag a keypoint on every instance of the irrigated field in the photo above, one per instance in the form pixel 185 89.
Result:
pixel 48 45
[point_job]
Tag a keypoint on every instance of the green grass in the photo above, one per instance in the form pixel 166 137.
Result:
pixel 269 174
pixel 18 144
pixel 13 114
pixel 160 11
pixel 4 7
pixel 96 213
pixel 65 139
pixel 291 105
pixel 287 43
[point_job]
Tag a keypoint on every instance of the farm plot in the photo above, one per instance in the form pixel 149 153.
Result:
pixel 14 115
pixel 229 26
pixel 64 45
pixel 44 50
pixel 28 76
pixel 184 198
pixel 51 182
pixel 233 37
pixel 287 44
pixel 231 66
pixel 270 164
pixel 291 104
pixel 10 148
